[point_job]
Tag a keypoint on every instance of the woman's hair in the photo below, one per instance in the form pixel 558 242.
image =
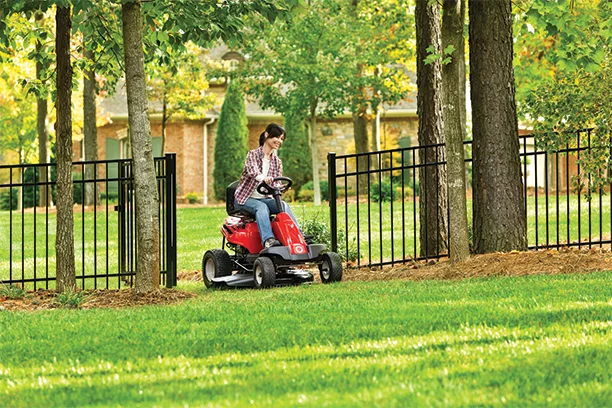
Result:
pixel 272 130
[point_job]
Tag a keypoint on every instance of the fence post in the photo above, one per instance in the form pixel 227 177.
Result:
pixel 170 220
pixel 331 183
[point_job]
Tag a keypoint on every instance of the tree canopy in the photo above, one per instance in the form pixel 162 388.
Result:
pixel 563 78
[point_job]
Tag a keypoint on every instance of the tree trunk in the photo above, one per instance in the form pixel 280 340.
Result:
pixel 147 226
pixel 433 207
pixel 44 195
pixel 360 124
pixel 64 245
pixel 360 133
pixel 453 108
pixel 312 140
pixel 499 217
pixel 90 130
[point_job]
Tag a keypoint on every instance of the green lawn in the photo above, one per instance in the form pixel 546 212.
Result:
pixel 531 341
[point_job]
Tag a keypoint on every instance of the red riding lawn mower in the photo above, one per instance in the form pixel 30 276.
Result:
pixel 252 265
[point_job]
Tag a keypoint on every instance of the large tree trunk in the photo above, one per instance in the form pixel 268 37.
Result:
pixel 453 108
pixel 44 195
pixel 147 226
pixel 433 205
pixel 90 130
pixel 499 217
pixel 64 245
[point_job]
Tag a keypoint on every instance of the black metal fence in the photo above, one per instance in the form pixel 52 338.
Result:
pixel 104 223
pixel 375 201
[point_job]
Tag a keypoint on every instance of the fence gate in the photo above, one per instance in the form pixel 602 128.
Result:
pixel 104 234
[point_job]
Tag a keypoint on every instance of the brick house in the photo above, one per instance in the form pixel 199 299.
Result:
pixel 193 141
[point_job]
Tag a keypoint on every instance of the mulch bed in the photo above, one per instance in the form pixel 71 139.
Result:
pixel 545 262
pixel 497 264
pixel 101 298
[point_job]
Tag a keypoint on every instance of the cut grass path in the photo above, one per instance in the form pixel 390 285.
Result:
pixel 539 340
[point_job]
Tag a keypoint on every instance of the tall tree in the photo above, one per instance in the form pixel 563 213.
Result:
pixel 562 76
pixel 231 142
pixel 325 60
pixel 90 130
pixel 499 217
pixel 64 244
pixel 359 109
pixel 45 196
pixel 147 272
pixel 433 208
pixel 179 86
pixel 454 112
pixel 295 148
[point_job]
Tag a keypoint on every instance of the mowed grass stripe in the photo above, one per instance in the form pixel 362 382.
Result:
pixel 539 340
pixel 420 369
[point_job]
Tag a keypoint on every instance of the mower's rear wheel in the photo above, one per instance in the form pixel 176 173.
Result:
pixel 215 264
pixel 331 268
pixel 264 272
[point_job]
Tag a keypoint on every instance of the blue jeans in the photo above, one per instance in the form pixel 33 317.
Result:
pixel 262 208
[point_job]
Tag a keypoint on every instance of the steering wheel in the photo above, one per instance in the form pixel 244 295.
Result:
pixel 265 189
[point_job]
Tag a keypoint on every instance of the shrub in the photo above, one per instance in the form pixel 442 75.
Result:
pixel 12 292
pixel 8 199
pixel 322 235
pixel 71 300
pixel 382 192
pixel 112 197
pixel 192 198
pixel 307 191
pixel 231 141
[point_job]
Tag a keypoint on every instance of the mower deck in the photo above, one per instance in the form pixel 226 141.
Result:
pixel 246 280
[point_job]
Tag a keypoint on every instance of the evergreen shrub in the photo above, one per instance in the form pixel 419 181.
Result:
pixel 231 142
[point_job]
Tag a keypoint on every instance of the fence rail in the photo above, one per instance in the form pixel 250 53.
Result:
pixel 104 223
pixel 375 200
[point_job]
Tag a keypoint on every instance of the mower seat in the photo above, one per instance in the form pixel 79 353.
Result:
pixel 229 204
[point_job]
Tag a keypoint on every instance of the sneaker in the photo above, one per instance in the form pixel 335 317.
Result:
pixel 271 242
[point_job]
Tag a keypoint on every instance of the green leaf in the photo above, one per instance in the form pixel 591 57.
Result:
pixel 449 49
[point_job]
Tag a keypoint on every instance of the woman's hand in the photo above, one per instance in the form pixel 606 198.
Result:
pixel 269 180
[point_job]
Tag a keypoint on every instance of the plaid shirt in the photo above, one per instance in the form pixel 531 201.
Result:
pixel 252 168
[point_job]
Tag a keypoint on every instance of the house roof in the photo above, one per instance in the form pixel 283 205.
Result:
pixel 116 107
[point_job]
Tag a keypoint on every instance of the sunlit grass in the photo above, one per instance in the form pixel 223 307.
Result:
pixel 539 340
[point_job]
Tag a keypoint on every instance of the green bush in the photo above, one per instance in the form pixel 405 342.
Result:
pixel 231 142
pixel 322 235
pixel 192 198
pixel 307 191
pixel 71 300
pixel 112 197
pixel 7 200
pixel 12 292
pixel 382 192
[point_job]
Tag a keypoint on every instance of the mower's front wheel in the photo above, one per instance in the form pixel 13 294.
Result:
pixel 331 268
pixel 264 272
pixel 215 264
